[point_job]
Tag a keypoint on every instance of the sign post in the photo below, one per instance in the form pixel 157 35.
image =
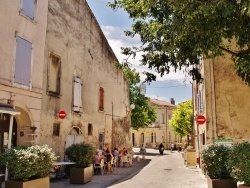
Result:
pixel 62 114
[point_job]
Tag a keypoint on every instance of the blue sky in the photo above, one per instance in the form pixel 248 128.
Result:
pixel 113 24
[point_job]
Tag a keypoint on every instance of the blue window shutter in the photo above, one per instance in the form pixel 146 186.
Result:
pixel 23 62
pixel 28 8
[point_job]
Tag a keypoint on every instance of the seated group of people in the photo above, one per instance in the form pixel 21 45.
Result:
pixel 106 153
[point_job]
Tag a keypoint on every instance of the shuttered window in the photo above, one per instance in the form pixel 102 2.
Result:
pixel 77 104
pixel 101 99
pixel 23 62
pixel 28 8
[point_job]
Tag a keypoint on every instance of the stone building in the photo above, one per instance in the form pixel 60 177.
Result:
pixel 160 131
pixel 55 59
pixel 80 79
pixel 22 41
pixel 223 99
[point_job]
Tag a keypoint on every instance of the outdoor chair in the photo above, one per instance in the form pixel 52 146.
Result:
pixel 99 167
pixel 125 161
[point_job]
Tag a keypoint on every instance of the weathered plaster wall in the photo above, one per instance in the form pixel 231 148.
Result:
pixel 74 34
pixel 231 102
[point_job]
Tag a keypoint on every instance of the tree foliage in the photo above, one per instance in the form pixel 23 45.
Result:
pixel 176 33
pixel 182 119
pixel 143 114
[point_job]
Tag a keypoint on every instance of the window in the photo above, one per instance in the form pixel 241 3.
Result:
pixel 152 137
pixel 101 140
pixel 23 62
pixel 163 118
pixel 28 8
pixel 142 137
pixel 200 102
pixel 77 104
pixel 90 129
pixel 101 99
pixel 54 69
pixel 56 129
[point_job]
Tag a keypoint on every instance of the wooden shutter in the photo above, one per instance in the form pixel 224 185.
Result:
pixel 101 99
pixel 77 105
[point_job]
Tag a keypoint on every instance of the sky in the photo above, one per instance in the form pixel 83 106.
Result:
pixel 113 24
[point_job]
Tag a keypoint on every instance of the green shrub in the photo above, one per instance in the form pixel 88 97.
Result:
pixel 82 154
pixel 28 162
pixel 215 160
pixel 239 161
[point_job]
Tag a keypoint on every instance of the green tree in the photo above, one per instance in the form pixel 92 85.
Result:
pixel 182 119
pixel 176 33
pixel 143 114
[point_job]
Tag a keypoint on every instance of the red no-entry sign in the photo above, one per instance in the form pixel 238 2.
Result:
pixel 62 114
pixel 200 119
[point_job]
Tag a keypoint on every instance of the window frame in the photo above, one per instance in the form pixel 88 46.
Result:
pixel 101 99
pixel 57 91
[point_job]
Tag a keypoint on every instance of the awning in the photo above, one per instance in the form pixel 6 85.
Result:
pixel 11 111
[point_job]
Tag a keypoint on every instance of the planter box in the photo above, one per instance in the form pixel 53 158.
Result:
pixel 220 183
pixel 243 186
pixel 37 183
pixel 191 157
pixel 81 175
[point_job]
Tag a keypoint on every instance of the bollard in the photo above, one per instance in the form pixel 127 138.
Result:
pixel 137 158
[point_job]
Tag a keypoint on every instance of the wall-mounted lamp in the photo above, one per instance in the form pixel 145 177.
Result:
pixel 131 107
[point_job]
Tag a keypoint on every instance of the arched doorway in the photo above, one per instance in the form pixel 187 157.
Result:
pixel 74 136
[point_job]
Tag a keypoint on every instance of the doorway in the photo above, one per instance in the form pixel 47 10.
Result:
pixel 4 132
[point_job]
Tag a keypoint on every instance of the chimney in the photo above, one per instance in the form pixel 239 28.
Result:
pixel 172 101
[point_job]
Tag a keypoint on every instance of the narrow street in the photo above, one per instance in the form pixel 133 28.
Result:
pixel 166 170
pixel 161 171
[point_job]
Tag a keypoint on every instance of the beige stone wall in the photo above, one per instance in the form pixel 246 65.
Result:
pixel 26 99
pixel 74 34
pixel 228 103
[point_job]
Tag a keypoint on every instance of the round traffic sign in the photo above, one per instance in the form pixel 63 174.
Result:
pixel 62 114
pixel 200 119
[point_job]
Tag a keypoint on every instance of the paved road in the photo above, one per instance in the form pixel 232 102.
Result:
pixel 166 171
pixel 161 171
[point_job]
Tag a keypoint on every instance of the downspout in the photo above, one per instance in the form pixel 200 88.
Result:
pixel 213 101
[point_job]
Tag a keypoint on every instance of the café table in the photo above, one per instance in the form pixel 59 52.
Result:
pixel 59 172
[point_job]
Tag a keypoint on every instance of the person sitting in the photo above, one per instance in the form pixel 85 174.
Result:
pixel 99 157
pixel 142 149
pixel 125 151
pixel 116 152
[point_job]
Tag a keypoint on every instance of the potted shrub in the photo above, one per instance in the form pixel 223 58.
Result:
pixel 239 161
pixel 28 165
pixel 82 154
pixel 215 163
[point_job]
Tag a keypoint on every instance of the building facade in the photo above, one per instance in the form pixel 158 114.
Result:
pixel 159 131
pixel 22 38
pixel 223 99
pixel 80 79
pixel 59 72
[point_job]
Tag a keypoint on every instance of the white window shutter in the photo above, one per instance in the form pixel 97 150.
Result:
pixel 77 106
